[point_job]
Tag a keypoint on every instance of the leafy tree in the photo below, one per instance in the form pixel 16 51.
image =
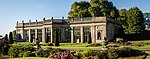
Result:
pixel 5 45
pixel 14 35
pixel 103 8
pixel 79 9
pixel 135 20
pixel 56 38
pixel 122 18
pixel 11 38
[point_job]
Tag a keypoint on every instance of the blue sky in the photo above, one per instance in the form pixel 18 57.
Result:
pixel 12 11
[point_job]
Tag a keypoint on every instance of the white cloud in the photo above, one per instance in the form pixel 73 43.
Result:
pixel 40 6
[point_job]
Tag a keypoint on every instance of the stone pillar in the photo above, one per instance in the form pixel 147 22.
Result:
pixel 82 34
pixel 22 31
pixel 29 33
pixel 62 34
pixel 44 35
pixel 93 34
pixel 52 34
pixel 72 35
pixel 36 33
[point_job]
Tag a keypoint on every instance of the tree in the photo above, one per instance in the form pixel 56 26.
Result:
pixel 103 8
pixel 123 19
pixel 11 38
pixel 79 9
pixel 56 38
pixel 14 35
pixel 135 20
pixel 5 46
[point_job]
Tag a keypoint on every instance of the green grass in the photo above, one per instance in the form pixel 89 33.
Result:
pixel 31 58
pixel 146 41
pixel 148 57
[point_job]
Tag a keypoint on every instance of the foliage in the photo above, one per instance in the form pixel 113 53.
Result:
pixel 28 54
pixel 11 38
pixel 79 9
pixel 111 53
pixel 43 52
pixel 19 50
pixel 65 54
pixel 135 20
pixel 14 35
pixel 38 46
pixel 123 18
pixel 94 45
pixel 95 8
pixel 134 57
pixel 5 45
pixel 103 8
pixel 56 38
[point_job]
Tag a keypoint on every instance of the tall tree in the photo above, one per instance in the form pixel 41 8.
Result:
pixel 11 38
pixel 79 9
pixel 135 20
pixel 14 35
pixel 103 8
pixel 122 18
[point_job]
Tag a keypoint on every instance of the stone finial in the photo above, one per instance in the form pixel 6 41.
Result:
pixel 17 22
pixel 29 21
pixel 62 17
pixel 22 21
pixel 36 21
pixel 44 19
pixel 52 18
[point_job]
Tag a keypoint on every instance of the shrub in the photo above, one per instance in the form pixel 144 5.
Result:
pixel 19 50
pixel 113 45
pixel 11 41
pixel 50 44
pixel 65 54
pixel 113 53
pixel 94 45
pixel 28 54
pixel 56 38
pixel 43 52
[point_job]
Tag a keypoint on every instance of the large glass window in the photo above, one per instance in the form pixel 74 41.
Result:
pixel 77 34
pixel 87 32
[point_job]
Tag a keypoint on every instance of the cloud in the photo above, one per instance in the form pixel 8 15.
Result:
pixel 40 6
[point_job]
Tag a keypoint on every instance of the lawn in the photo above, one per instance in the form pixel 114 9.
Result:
pixel 146 47
pixel 78 46
pixel 73 46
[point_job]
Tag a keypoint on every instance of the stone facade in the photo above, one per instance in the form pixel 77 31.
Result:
pixel 73 30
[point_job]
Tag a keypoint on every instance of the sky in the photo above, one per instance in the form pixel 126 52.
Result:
pixel 12 11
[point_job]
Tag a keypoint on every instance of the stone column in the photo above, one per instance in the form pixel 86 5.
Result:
pixel 44 35
pixel 72 35
pixel 52 34
pixel 29 33
pixel 62 34
pixel 93 34
pixel 36 33
pixel 82 34
pixel 22 31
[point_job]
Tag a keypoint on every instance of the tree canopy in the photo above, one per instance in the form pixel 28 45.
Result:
pixel 135 20
pixel 93 8
pixel 79 9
